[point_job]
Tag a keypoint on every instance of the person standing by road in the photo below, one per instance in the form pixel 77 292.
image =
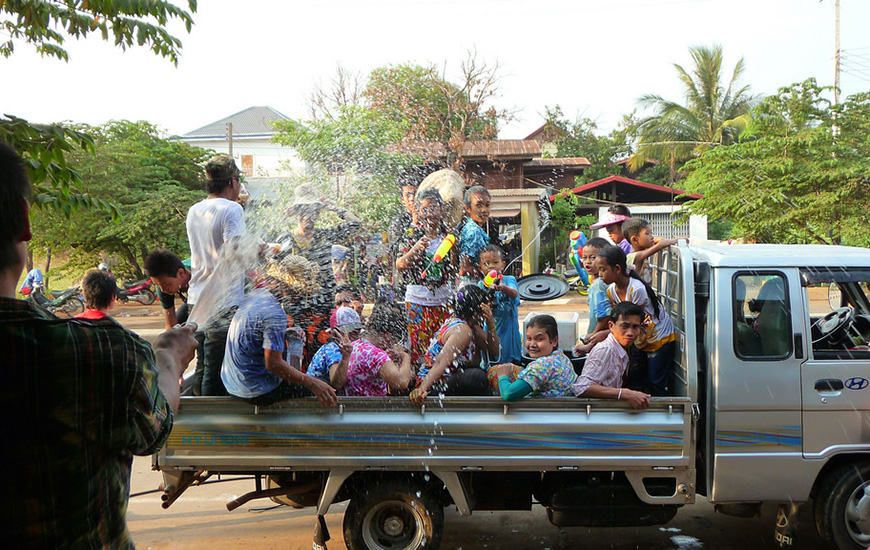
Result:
pixel 79 400
pixel 211 224
pixel 171 276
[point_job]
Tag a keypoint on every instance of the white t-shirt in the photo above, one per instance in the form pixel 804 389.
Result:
pixel 211 223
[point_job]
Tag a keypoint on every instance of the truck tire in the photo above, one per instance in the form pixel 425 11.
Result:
pixel 842 509
pixel 394 515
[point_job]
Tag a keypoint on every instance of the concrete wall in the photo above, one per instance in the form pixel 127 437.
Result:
pixel 268 158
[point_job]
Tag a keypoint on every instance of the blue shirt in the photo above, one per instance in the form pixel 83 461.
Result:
pixel 326 356
pixel 258 325
pixel 599 303
pixel 33 276
pixel 471 240
pixel 507 324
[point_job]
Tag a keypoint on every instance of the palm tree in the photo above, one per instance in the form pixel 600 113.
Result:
pixel 713 114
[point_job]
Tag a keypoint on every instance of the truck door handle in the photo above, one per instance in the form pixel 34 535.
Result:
pixel 829 384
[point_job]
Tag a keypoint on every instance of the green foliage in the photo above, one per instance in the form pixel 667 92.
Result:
pixel 126 23
pixel 354 146
pixel 713 113
pixel 799 175
pixel 151 179
pixel 564 219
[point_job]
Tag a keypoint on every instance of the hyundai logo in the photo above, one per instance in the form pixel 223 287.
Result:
pixel 856 383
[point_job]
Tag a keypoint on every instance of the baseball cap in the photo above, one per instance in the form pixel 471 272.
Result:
pixel 348 319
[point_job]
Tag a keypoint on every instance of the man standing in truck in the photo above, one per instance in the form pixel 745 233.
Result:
pixel 606 368
pixel 80 399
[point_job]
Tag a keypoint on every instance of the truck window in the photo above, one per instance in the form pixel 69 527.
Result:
pixel 840 315
pixel 762 316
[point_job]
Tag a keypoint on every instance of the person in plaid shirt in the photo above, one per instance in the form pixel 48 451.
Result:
pixel 80 398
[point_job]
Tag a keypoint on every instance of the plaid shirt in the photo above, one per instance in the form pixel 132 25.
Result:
pixel 79 399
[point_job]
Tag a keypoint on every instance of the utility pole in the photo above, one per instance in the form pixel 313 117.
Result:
pixel 836 52
pixel 230 136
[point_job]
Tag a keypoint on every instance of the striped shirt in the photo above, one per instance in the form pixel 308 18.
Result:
pixel 80 398
pixel 606 365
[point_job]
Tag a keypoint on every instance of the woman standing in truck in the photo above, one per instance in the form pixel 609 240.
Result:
pixel 659 339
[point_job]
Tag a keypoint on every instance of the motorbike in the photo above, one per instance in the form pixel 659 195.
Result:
pixel 138 291
pixel 67 302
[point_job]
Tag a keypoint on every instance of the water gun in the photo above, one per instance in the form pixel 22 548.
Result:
pixel 491 278
pixel 441 252
pixel 578 239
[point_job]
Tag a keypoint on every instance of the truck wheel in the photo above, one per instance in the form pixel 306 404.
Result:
pixel 842 512
pixel 394 515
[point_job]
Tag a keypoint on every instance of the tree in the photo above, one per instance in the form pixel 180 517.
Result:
pixel 45 24
pixel 150 178
pixel 799 174
pixel 713 114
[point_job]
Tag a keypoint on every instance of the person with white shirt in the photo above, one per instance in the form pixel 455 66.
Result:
pixel 211 224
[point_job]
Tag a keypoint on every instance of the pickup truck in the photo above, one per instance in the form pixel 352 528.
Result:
pixel 770 404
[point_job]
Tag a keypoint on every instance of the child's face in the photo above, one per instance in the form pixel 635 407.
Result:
pixel 607 273
pixel 479 209
pixel 644 239
pixel 538 342
pixel 588 258
pixel 429 213
pixel 409 193
pixel 626 329
pixel 614 231
pixel 490 261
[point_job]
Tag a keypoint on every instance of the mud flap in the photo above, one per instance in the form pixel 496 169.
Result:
pixel 321 534
pixel 786 524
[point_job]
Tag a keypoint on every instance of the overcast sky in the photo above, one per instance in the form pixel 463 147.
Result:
pixel 592 57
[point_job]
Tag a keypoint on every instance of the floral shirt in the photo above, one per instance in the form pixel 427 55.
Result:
pixel 550 376
pixel 363 369
pixel 326 356
pixel 437 344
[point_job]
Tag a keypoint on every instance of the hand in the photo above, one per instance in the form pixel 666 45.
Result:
pixel 399 351
pixel 421 245
pixel 637 399
pixel 345 346
pixel 324 393
pixel 487 315
pixel 505 369
pixel 418 395
pixel 581 348
pixel 179 343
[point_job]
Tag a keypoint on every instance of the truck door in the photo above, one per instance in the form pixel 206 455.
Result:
pixel 835 380
pixel 755 387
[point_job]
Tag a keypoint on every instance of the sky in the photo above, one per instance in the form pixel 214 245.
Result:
pixel 593 58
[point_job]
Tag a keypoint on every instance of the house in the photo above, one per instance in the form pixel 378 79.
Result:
pixel 247 136
pixel 661 205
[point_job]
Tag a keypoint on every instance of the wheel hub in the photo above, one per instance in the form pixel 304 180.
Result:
pixel 394 526
pixel 858 514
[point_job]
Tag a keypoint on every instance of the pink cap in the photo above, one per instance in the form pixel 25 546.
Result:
pixel 609 218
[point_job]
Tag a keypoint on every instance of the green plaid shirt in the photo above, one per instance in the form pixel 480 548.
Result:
pixel 79 399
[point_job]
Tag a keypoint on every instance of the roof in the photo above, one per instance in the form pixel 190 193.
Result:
pixel 561 162
pixel 476 149
pixel 630 183
pixel 253 121
pixel 781 255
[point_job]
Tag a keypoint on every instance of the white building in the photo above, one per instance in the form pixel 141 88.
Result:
pixel 252 132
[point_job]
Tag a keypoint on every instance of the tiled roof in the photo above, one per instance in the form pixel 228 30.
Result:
pixel 475 150
pixel 631 183
pixel 251 121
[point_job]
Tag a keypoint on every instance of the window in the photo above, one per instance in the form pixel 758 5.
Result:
pixel 839 301
pixel 762 316
pixel 248 165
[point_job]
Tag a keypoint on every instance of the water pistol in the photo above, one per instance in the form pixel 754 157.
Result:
pixel 491 278
pixel 441 252
pixel 578 239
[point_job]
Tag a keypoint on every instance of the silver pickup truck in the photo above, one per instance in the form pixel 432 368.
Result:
pixel 771 405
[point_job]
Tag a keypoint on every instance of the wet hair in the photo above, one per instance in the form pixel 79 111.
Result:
pixel 99 288
pixel 633 227
pixel 161 262
pixel 597 242
pixel 413 176
pixel 468 301
pixel 387 320
pixel 430 193
pixel 492 248
pixel 626 309
pixel 619 210
pixel 15 191
pixel 615 257
pixel 384 302
pixel 475 190
pixel 347 288
pixel 546 322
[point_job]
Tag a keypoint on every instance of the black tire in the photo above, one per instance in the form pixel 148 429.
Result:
pixel 73 306
pixel 145 297
pixel 394 515
pixel 842 508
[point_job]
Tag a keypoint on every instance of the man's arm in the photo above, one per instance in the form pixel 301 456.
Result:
pixel 173 351
pixel 169 318
pixel 282 369
pixel 637 399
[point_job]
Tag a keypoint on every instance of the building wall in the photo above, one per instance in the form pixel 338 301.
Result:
pixel 484 173
pixel 663 218
pixel 265 158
